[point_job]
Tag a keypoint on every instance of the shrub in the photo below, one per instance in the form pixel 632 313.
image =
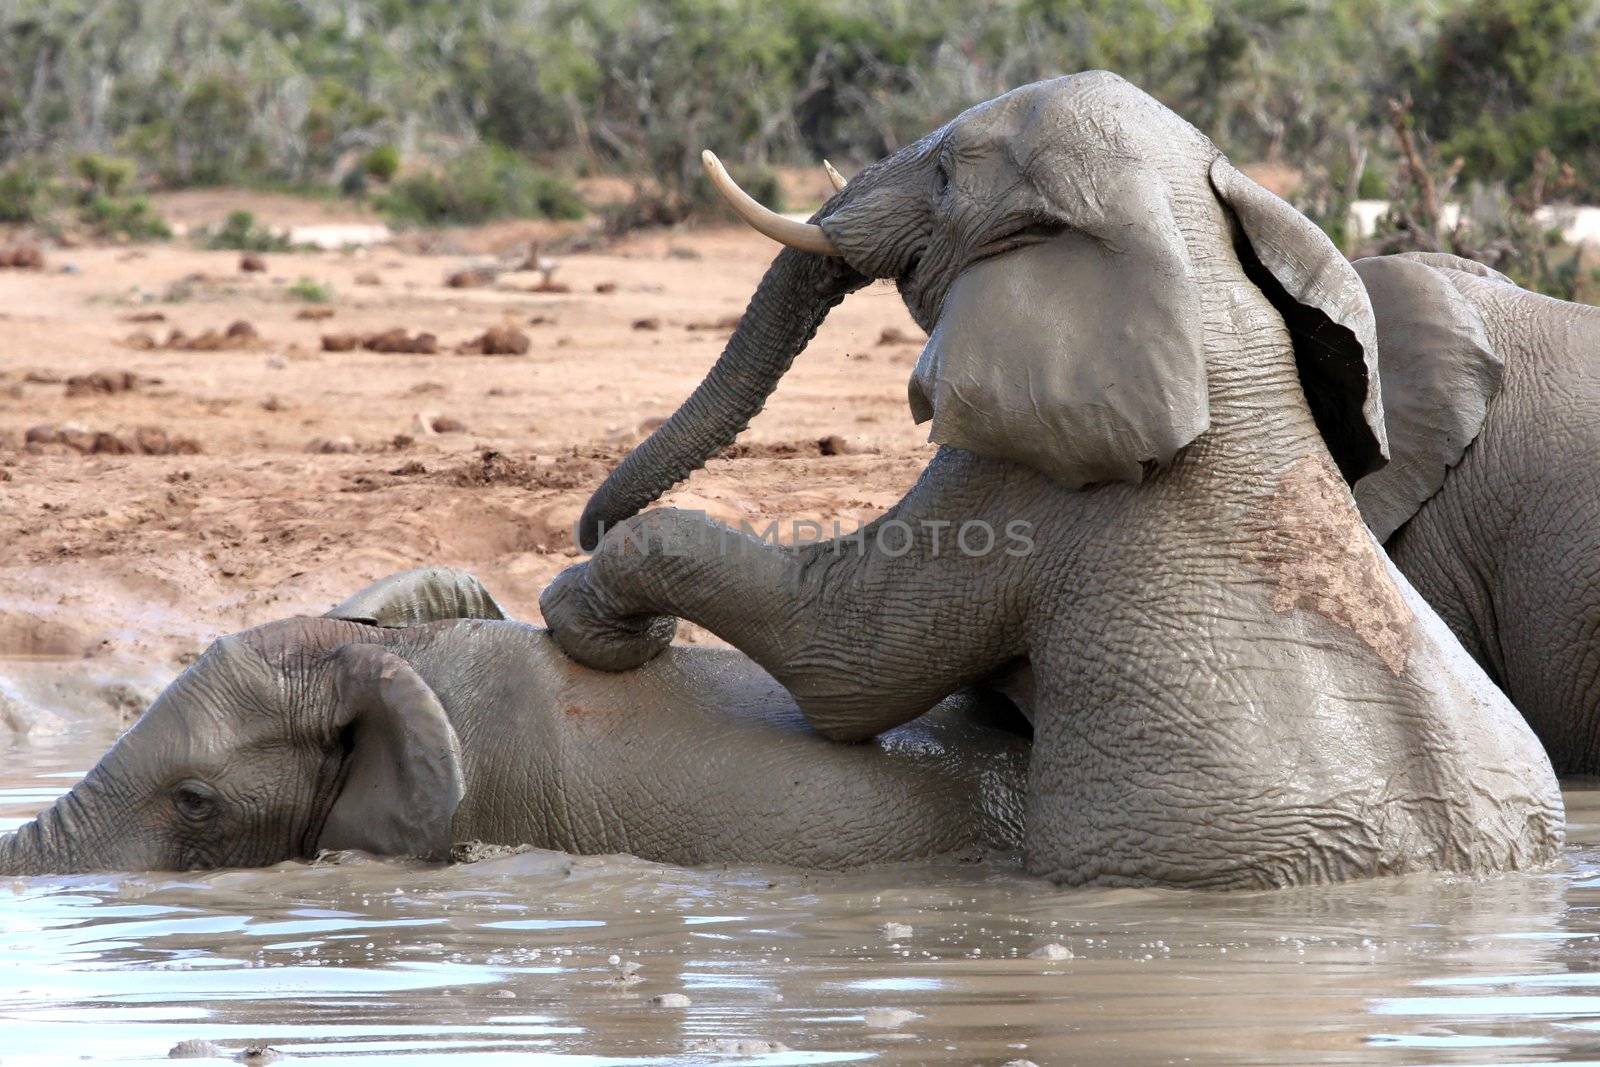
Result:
pixel 484 183
pixel 311 291
pixel 381 163
pixel 127 216
pixel 27 192
pixel 241 234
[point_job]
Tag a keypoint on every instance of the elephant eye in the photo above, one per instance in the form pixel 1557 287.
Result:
pixel 195 801
pixel 941 179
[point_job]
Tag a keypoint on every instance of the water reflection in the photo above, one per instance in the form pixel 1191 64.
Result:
pixel 544 958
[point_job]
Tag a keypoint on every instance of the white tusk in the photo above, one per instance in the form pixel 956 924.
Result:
pixel 834 176
pixel 798 235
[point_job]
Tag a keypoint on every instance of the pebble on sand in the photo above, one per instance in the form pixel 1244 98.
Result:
pixel 1052 951
pixel 670 1000
pixel 194 1050
pixel 888 1018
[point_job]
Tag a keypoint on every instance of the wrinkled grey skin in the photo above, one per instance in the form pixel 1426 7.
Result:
pixel 1505 545
pixel 1230 685
pixel 312 734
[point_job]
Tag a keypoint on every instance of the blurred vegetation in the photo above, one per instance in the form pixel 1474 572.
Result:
pixel 460 110
pixel 240 233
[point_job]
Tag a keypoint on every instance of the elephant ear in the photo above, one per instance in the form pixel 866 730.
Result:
pixel 1326 310
pixel 1446 261
pixel 427 594
pixel 402 778
pixel 1440 370
pixel 1079 356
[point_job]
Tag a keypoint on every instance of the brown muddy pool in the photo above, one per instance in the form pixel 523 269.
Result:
pixel 544 958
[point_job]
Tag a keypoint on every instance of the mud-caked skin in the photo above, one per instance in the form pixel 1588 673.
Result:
pixel 1503 536
pixel 1167 377
pixel 311 734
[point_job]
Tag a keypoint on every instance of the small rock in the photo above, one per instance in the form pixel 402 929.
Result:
pixel 252 263
pixel 1052 951
pixel 314 314
pixel 272 403
pixel 894 335
pixel 888 1018
pixel 504 994
pixel 497 341
pixel 738 1046
pixel 194 1050
pixel 605 287
pixel 647 324
pixel 896 931
pixel 256 1055
pixel 368 277
pixel 145 316
pixel 670 1000
pixel 448 424
pixel 332 445
pixel 471 278
pixel 833 445
pixel 340 342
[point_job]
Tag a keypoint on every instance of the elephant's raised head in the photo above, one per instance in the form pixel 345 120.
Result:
pixel 294 737
pixel 1074 249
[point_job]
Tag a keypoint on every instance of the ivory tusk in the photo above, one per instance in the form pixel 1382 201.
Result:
pixel 803 236
pixel 834 176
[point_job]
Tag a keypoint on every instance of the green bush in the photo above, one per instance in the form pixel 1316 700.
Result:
pixel 483 183
pixel 28 192
pixel 240 233
pixel 311 291
pixel 124 216
pixel 381 163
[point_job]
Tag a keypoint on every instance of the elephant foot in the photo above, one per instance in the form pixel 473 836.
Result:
pixel 595 638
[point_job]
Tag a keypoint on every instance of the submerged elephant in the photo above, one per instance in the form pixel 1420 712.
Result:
pixel 1151 381
pixel 402 725
pixel 1491 505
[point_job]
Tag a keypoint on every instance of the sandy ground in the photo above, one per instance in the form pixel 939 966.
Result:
pixel 117 569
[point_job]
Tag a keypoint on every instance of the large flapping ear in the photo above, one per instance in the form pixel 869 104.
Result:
pixel 1440 370
pixel 1326 310
pixel 1080 356
pixel 427 594
pixel 402 778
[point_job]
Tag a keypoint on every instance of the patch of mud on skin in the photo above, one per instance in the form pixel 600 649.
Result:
pixel 1322 559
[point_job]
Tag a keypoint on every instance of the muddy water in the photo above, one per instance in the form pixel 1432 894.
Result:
pixel 546 958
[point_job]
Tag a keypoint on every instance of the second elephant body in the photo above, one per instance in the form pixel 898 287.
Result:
pixel 1491 505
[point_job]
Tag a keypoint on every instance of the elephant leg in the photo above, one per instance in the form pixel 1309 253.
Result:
pixel 866 631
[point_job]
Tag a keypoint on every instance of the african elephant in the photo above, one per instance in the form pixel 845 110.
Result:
pixel 1151 381
pixel 415 717
pixel 1491 505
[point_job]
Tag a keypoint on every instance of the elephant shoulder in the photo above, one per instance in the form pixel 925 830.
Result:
pixel 1438 369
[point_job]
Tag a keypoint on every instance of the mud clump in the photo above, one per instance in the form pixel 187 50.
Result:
pixel 22 257
pixel 575 470
pixel 471 278
pixel 239 335
pixel 252 263
pixel 479 851
pixel 726 322
pixel 144 441
pixel 497 341
pixel 393 341
pixel 894 335
pixel 107 383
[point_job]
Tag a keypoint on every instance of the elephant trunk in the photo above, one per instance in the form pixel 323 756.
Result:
pixel 39 847
pixel 798 291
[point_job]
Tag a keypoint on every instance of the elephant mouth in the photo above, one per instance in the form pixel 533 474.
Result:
pixel 1031 234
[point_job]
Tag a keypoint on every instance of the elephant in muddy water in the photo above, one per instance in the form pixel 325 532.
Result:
pixel 1491 505
pixel 415 717
pixel 1151 381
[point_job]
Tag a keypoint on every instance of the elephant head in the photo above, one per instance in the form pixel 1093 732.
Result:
pixel 277 743
pixel 1070 247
